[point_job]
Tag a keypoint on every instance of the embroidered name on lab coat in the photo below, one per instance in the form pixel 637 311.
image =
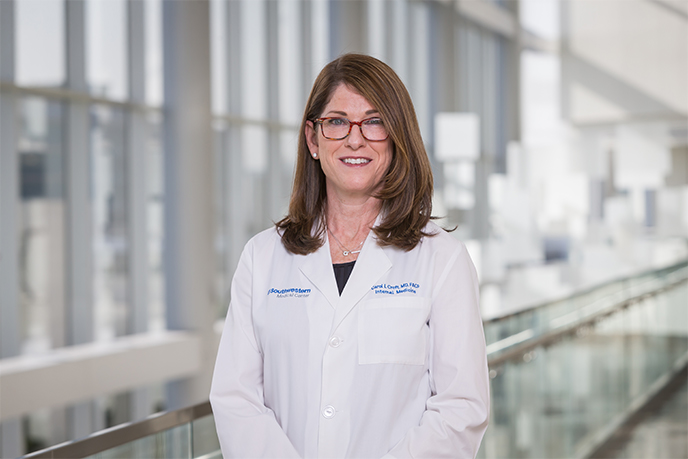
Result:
pixel 293 292
pixel 387 289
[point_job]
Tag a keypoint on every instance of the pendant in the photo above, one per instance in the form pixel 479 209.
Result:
pixel 346 253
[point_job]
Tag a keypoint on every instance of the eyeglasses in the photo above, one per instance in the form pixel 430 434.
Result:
pixel 372 129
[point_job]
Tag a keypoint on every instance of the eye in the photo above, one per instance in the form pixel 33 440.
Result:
pixel 374 122
pixel 337 122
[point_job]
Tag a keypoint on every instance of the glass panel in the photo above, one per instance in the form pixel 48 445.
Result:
pixel 540 18
pixel 143 448
pixel 290 61
pixel 254 59
pixel 40 50
pixel 254 153
pixel 289 141
pixel 377 34
pixel 41 225
pixel 106 48
pixel 176 442
pixel 218 49
pixel 108 187
pixel 117 409
pixel 320 31
pixel 205 441
pixel 172 443
pixel 154 86
pixel 37 430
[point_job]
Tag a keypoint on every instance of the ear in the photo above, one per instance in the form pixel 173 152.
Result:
pixel 312 138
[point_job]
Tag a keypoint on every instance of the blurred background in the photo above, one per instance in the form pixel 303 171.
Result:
pixel 142 143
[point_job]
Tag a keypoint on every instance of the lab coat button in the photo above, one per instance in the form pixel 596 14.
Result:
pixel 328 412
pixel 335 341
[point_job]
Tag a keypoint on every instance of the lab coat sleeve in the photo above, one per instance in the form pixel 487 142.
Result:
pixel 457 412
pixel 245 426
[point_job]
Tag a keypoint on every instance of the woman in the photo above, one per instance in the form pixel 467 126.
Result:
pixel 354 329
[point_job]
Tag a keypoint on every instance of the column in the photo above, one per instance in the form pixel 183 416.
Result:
pixel 79 237
pixel 189 222
pixel 11 435
pixel 136 162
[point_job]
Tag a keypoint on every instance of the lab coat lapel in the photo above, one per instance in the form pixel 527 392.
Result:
pixel 317 267
pixel 372 263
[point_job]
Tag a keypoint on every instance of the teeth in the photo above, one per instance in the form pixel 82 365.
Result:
pixel 356 160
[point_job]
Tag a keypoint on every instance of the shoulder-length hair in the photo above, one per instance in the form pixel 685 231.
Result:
pixel 406 188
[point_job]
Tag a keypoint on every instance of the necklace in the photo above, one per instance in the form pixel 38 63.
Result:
pixel 346 252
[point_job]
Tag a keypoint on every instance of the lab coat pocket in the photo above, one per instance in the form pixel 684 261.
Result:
pixel 393 330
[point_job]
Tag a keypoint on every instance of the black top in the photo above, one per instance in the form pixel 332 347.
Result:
pixel 342 271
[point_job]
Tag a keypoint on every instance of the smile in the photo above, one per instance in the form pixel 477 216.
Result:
pixel 355 160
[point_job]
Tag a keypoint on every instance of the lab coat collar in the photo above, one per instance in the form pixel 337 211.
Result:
pixel 315 268
pixel 371 264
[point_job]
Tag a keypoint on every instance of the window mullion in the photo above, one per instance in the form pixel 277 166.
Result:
pixel 79 221
pixel 136 172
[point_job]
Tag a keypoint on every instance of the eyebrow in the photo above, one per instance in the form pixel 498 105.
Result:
pixel 338 112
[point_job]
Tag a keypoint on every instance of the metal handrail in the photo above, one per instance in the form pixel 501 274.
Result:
pixel 518 349
pixel 123 433
pixel 156 423
pixel 584 291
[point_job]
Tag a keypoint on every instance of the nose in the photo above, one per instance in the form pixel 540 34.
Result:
pixel 355 138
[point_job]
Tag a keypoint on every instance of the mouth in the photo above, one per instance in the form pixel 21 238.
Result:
pixel 355 161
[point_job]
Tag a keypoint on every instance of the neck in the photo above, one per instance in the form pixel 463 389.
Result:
pixel 351 220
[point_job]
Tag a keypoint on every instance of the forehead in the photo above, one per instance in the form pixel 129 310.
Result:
pixel 346 100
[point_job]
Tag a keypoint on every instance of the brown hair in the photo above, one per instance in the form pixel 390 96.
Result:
pixel 406 191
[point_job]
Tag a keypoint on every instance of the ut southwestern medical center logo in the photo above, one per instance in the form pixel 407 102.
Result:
pixel 293 292
pixel 387 289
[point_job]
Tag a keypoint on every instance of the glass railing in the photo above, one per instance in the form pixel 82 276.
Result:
pixel 193 439
pixel 608 350
pixel 182 434
pixel 566 397
pixel 507 335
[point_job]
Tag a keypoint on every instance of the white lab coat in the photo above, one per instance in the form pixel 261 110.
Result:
pixel 395 367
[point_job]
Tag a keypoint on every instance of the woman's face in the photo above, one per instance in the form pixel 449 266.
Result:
pixel 353 167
